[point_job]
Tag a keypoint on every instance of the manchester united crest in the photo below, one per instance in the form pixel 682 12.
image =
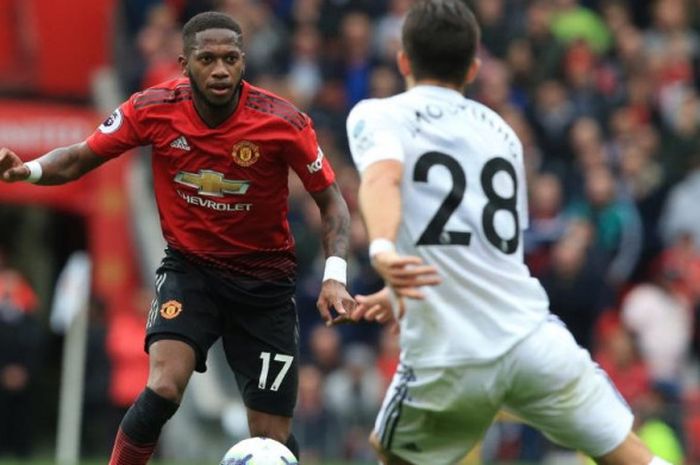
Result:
pixel 170 309
pixel 245 153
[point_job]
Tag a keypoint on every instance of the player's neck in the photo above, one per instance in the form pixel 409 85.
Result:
pixel 212 115
pixel 411 82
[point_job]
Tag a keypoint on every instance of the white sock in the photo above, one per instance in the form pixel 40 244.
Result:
pixel 658 461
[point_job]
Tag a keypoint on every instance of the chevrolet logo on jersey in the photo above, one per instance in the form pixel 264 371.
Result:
pixel 212 183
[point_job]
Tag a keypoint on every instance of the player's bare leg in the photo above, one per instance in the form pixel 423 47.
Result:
pixel 632 451
pixel 171 364
pixel 271 426
pixel 385 457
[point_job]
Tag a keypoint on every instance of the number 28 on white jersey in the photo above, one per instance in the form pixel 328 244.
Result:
pixel 464 207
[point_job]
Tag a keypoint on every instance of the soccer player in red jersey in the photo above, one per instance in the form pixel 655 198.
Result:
pixel 222 149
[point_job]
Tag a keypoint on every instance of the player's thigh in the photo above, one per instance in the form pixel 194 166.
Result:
pixel 558 389
pixel 262 348
pixel 183 311
pixel 436 415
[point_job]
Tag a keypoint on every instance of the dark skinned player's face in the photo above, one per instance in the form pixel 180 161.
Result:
pixel 215 66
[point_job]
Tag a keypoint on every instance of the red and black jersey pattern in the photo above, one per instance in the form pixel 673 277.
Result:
pixel 265 266
pixel 272 105
pixel 222 191
pixel 160 95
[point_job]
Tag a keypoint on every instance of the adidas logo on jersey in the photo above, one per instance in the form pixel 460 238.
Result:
pixel 180 143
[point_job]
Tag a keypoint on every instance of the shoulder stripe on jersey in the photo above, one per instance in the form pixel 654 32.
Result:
pixel 158 95
pixel 275 106
pixel 167 99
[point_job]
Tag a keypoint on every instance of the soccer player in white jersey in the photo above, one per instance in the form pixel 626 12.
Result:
pixel 443 186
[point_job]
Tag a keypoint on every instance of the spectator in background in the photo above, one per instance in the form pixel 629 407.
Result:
pixel 659 315
pixel 354 394
pixel 577 290
pixel 494 87
pixel 20 338
pixel 159 43
pixel 583 77
pixel 387 37
pixel 317 428
pixel 547 221
pixel 264 34
pixel 357 57
pixel 304 71
pixel 618 233
pixel 547 48
pixel 676 218
pixel 681 142
pixel 618 355
pixel 589 152
pixel 552 116
pixel 492 19
pixel 325 349
pixel 642 180
pixel 572 21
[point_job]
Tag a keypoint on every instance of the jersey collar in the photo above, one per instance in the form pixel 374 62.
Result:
pixel 199 122
pixel 436 91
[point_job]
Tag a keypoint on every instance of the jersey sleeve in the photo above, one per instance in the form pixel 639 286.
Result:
pixel 373 134
pixel 306 158
pixel 120 132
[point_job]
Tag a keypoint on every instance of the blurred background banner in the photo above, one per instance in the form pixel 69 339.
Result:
pixel 53 47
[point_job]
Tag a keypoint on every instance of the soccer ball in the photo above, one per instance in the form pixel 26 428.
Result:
pixel 259 451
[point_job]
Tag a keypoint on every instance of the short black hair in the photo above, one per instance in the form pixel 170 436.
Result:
pixel 208 20
pixel 440 38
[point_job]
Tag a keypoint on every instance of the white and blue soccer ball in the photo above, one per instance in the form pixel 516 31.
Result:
pixel 259 451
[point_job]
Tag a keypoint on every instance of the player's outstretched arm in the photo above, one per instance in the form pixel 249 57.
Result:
pixel 58 166
pixel 336 239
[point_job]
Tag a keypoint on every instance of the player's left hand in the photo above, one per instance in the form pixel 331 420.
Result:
pixel 334 296
pixel 381 307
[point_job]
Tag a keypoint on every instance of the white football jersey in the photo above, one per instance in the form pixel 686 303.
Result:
pixel 464 208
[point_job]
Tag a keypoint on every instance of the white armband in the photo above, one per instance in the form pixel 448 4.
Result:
pixel 336 269
pixel 381 245
pixel 35 171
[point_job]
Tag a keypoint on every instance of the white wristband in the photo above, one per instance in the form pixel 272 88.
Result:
pixel 380 245
pixel 336 269
pixel 35 171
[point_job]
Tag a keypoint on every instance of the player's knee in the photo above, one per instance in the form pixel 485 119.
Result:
pixel 167 388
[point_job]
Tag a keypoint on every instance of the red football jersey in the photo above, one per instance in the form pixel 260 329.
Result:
pixel 221 192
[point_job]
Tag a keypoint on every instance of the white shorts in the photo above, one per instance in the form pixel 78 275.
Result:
pixel 436 415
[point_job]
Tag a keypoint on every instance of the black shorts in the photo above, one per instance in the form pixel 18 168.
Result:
pixel 256 320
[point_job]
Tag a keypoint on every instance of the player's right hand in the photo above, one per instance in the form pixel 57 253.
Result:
pixel 405 274
pixel 12 168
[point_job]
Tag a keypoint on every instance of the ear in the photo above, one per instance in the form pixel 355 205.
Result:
pixel 403 63
pixel 182 61
pixel 473 70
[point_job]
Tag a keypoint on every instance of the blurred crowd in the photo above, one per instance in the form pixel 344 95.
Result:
pixel 605 98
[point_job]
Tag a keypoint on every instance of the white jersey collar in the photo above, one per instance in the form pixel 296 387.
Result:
pixel 437 91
